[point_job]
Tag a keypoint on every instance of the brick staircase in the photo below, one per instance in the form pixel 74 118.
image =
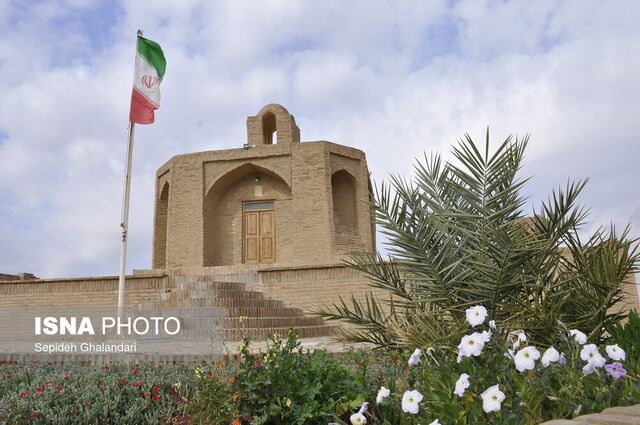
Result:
pixel 206 306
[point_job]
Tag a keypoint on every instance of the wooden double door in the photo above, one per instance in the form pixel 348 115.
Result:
pixel 258 233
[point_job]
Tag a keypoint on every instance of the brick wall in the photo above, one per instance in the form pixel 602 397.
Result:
pixel 92 291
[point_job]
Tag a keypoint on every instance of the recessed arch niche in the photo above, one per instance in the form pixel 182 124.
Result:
pixel 345 214
pixel 223 213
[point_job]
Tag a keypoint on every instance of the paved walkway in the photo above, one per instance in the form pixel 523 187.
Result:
pixel 612 416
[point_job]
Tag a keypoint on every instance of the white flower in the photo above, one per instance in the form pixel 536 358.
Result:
pixel 382 393
pixel 436 422
pixel 492 398
pixel 492 324
pixel 588 369
pixel 578 336
pixel 415 357
pixel 486 336
pixel 476 315
pixel 615 353
pixel 550 356
pixel 461 384
pixel 522 337
pixel 591 354
pixel 471 345
pixel 358 419
pixel 410 400
pixel 525 359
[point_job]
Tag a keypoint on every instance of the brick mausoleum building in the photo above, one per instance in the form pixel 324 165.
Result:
pixel 274 201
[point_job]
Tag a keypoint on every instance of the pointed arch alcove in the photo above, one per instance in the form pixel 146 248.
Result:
pixel 236 197
pixel 345 212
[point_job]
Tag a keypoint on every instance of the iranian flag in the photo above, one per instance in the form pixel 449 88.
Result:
pixel 150 67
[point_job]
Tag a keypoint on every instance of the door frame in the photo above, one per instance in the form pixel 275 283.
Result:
pixel 260 206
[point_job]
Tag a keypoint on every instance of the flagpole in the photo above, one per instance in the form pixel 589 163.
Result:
pixel 124 223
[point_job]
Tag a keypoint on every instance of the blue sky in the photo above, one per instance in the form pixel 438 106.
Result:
pixel 395 79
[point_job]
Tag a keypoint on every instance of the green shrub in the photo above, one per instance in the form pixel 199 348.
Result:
pixel 283 385
pixel 457 236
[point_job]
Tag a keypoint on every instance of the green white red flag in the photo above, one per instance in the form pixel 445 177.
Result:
pixel 150 67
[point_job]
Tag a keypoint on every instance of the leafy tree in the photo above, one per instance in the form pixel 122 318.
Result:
pixel 458 237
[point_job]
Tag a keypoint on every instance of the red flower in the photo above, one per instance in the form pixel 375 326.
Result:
pixel 74 412
pixel 156 397
pixel 209 373
pixel 122 381
pixel 59 388
pixel 8 375
pixel 66 378
pixel 105 368
pixel 136 384
pixel 134 371
pixel 146 395
pixel 33 415
pixel 155 388
pixel 86 403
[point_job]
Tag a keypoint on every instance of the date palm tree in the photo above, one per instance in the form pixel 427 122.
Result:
pixel 457 237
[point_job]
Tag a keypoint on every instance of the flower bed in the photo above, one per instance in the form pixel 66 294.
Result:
pixel 81 393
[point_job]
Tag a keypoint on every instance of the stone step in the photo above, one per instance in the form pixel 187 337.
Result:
pixel 251 322
pixel 220 302
pixel 264 312
pixel 254 333
pixel 211 294
pixel 209 285
pixel 148 310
